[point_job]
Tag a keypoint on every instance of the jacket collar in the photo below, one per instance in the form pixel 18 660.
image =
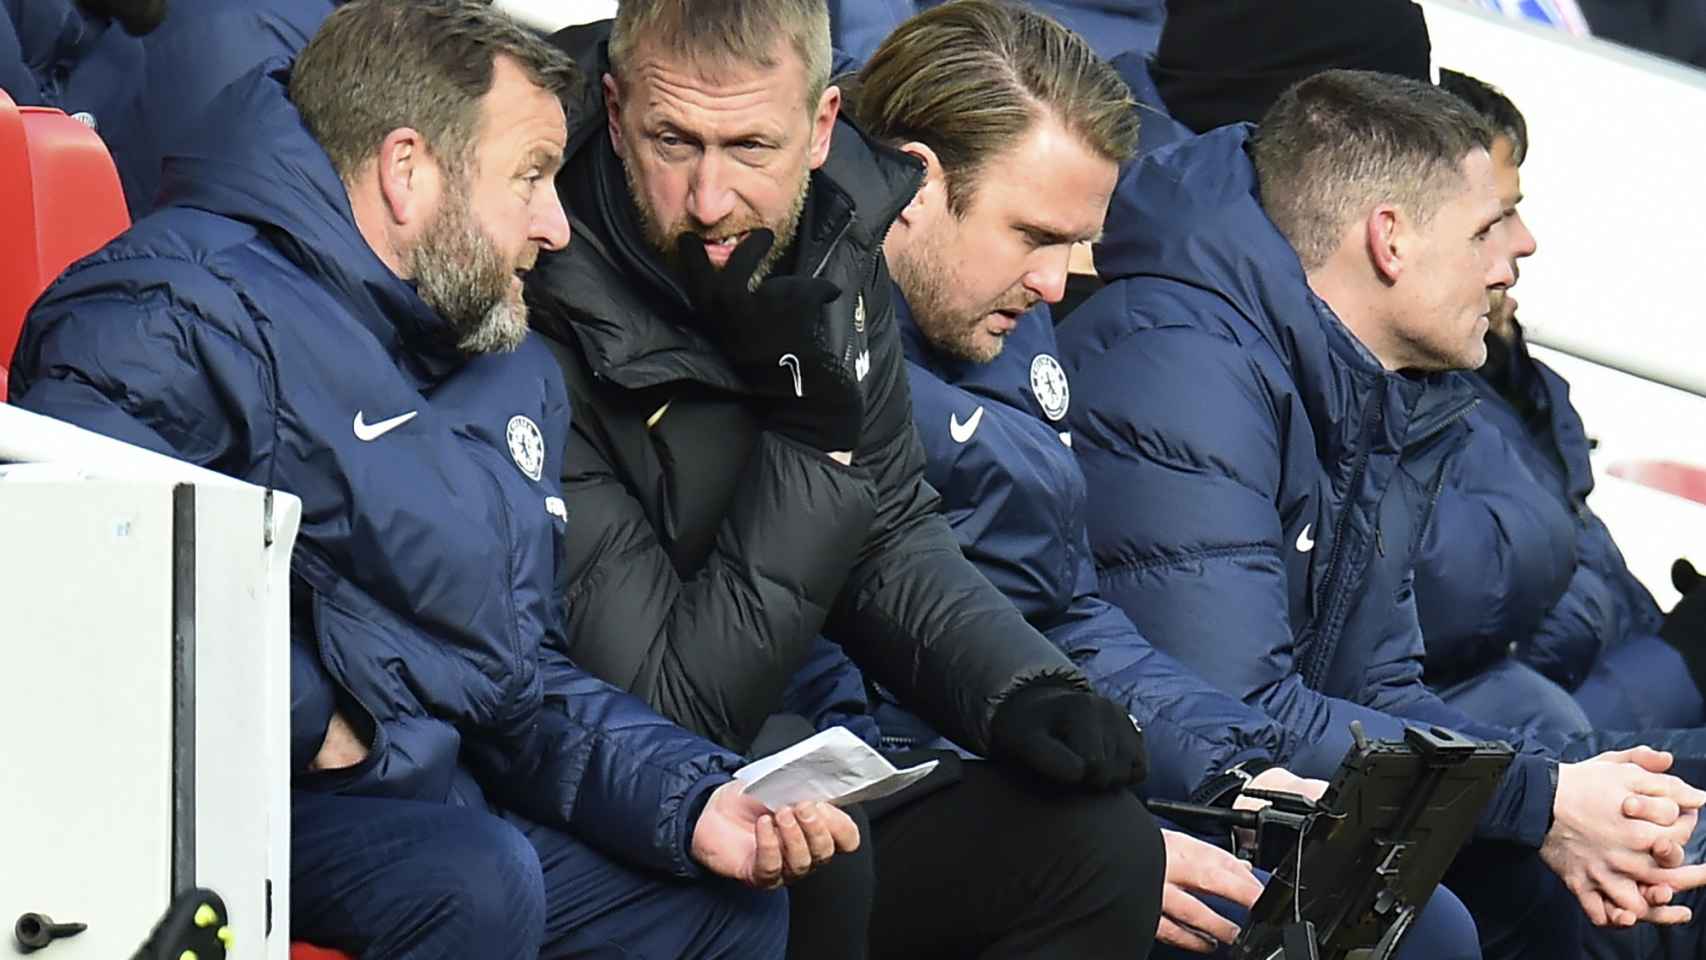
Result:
pixel 269 172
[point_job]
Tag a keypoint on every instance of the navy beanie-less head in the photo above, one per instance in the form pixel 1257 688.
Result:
pixel 1227 61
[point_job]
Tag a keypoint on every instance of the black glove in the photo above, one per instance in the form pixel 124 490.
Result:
pixel 1685 626
pixel 776 338
pixel 1069 736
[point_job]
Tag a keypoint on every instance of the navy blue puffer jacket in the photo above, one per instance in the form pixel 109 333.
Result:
pixel 1258 483
pixel 247 327
pixel 1002 460
pixel 1516 560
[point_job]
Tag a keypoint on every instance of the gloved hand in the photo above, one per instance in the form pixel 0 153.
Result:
pixel 1069 736
pixel 774 336
pixel 1685 625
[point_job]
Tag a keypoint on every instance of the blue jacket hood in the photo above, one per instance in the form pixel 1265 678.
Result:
pixel 1192 212
pixel 258 163
pixel 1231 248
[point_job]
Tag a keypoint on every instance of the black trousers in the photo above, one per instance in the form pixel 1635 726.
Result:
pixel 990 866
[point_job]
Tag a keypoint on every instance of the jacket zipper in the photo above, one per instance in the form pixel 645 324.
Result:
pixel 835 241
pixel 1327 642
pixel 1439 482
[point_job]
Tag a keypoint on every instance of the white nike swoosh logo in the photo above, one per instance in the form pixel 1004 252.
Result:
pixel 962 432
pixel 369 432
pixel 1305 542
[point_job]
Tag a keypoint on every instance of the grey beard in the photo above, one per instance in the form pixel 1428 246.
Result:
pixel 460 274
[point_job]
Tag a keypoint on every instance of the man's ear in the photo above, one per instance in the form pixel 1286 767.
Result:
pixel 823 124
pixel 1387 234
pixel 407 176
pixel 932 194
pixel 613 110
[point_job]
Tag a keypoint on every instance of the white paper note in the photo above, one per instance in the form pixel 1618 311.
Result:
pixel 835 766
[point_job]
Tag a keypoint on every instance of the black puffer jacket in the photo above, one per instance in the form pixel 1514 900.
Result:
pixel 705 552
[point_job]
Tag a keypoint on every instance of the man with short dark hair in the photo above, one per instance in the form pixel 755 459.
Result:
pixel 744 475
pixel 1532 618
pixel 1262 419
pixel 331 304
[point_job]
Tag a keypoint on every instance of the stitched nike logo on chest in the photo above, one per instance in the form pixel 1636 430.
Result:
pixel 369 432
pixel 961 432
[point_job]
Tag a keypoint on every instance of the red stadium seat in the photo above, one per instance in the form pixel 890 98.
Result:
pixel 302 951
pixel 1676 479
pixel 60 200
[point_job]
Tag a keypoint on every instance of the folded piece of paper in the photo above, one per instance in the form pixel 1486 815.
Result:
pixel 835 766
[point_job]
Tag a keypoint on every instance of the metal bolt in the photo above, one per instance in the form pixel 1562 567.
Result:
pixel 36 930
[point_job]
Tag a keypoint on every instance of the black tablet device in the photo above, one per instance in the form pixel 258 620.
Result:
pixel 1375 847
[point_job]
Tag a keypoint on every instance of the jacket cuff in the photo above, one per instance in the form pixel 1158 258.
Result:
pixel 1521 812
pixel 692 807
pixel 1223 789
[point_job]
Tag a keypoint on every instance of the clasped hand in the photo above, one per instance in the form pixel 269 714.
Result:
pixel 1619 826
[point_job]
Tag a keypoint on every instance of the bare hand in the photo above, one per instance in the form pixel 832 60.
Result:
pixel 342 748
pixel 1195 867
pixel 1619 824
pixel 739 838
pixel 1279 780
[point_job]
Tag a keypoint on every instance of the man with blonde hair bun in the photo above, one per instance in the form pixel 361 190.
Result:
pixel 743 476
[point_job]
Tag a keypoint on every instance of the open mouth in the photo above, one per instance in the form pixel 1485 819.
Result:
pixel 726 244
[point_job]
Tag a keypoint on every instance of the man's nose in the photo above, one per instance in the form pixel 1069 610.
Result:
pixel 549 224
pixel 1502 273
pixel 1523 243
pixel 1048 279
pixel 709 199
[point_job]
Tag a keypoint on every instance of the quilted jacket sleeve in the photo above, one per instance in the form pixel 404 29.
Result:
pixel 916 615
pixel 131 354
pixel 1014 498
pixel 1497 555
pixel 712 651
pixel 1183 479
pixel 610 770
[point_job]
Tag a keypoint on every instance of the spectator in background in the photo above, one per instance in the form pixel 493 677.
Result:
pixel 1226 61
pixel 205 45
pixel 1669 28
pixel 1517 578
pixel 1021 130
pixel 333 307
pixel 744 476
pixel 85 58
pixel 1261 422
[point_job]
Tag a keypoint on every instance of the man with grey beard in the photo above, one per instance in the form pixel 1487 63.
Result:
pixel 330 303
pixel 743 476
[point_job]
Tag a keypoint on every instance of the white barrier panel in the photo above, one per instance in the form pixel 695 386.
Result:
pixel 144 702
pixel 1615 187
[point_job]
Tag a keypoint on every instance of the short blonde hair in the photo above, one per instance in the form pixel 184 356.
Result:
pixel 727 31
